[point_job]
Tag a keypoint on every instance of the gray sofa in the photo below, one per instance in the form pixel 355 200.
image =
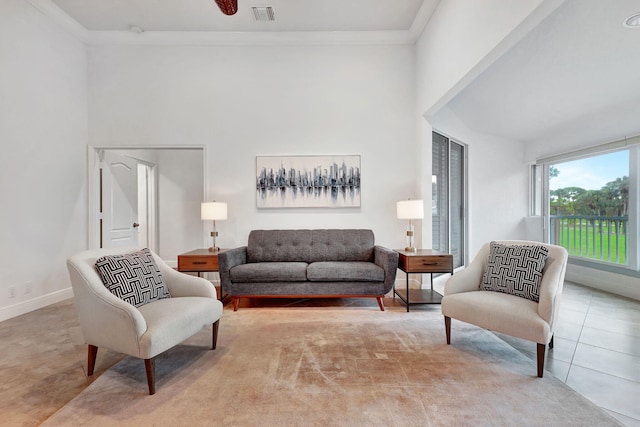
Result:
pixel 307 264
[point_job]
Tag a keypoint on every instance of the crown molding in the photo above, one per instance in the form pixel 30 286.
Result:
pixel 422 19
pixel 60 17
pixel 227 38
pixel 291 38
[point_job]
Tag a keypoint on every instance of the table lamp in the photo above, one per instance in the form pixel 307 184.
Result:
pixel 213 211
pixel 410 209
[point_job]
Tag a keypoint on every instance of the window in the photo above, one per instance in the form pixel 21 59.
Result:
pixel 591 205
pixel 537 189
pixel 448 194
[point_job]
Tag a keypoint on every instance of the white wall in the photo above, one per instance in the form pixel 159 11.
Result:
pixel 240 102
pixel 180 192
pixel 43 132
pixel 463 35
pixel 462 38
pixel 497 183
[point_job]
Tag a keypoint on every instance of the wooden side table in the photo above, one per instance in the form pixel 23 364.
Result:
pixel 422 261
pixel 199 261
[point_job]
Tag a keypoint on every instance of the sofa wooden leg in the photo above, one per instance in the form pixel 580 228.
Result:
pixel 214 337
pixel 236 303
pixel 541 350
pixel 380 303
pixel 92 351
pixel 447 328
pixel 150 366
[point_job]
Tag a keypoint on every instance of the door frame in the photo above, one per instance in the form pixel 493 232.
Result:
pixel 151 209
pixel 464 252
pixel 94 184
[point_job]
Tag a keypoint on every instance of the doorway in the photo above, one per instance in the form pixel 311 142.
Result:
pixel 125 207
pixel 146 197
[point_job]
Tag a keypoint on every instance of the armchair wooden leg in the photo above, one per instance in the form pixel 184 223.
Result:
pixel 447 328
pixel 541 350
pixel 551 342
pixel 92 351
pixel 215 334
pixel 150 366
pixel 380 303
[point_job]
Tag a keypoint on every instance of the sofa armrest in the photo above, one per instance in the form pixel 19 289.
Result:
pixel 185 285
pixel 106 320
pixel 229 259
pixel 468 279
pixel 552 284
pixel 388 260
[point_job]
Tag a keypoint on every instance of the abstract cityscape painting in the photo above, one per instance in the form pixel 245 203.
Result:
pixel 308 181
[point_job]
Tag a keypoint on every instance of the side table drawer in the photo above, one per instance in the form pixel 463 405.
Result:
pixel 427 264
pixel 197 263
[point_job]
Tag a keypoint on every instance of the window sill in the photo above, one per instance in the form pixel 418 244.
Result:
pixel 610 268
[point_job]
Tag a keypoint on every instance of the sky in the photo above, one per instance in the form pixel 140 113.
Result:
pixel 591 173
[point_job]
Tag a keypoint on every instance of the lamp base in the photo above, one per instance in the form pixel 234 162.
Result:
pixel 214 248
pixel 410 249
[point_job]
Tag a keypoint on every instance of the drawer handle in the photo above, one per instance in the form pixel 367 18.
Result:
pixel 429 263
pixel 199 262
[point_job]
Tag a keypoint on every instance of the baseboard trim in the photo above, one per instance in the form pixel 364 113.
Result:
pixel 28 306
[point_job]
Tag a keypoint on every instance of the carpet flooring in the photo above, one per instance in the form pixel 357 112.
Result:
pixel 333 366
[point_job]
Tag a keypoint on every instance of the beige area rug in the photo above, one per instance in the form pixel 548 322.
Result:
pixel 334 366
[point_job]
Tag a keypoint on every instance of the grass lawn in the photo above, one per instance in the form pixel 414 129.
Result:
pixel 593 239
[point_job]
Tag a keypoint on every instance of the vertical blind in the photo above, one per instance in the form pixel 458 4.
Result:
pixel 448 197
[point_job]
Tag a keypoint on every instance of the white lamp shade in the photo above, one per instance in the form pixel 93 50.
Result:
pixel 410 209
pixel 213 210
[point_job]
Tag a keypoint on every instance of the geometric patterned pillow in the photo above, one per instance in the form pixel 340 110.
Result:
pixel 515 270
pixel 134 278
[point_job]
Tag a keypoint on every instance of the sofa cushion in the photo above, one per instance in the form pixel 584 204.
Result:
pixel 134 278
pixel 269 272
pixel 344 271
pixel 515 270
pixel 310 245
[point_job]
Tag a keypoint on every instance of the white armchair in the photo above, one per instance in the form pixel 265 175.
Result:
pixel 146 331
pixel 501 312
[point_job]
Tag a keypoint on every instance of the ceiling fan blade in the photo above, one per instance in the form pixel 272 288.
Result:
pixel 228 7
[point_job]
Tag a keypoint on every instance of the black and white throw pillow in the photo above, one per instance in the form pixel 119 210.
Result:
pixel 134 278
pixel 515 269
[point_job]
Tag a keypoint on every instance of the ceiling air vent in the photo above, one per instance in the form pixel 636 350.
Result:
pixel 263 13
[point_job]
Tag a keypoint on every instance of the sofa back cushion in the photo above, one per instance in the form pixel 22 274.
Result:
pixel 310 245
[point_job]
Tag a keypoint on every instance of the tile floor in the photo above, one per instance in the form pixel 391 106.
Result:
pixel 597 350
pixel 597 353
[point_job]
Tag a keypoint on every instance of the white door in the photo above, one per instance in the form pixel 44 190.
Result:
pixel 119 201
